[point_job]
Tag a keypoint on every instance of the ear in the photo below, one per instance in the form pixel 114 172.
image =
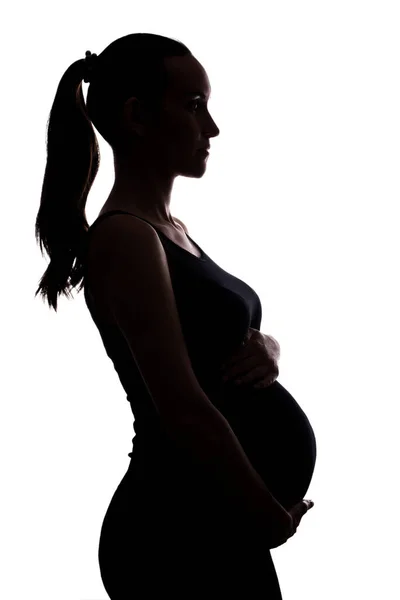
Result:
pixel 133 116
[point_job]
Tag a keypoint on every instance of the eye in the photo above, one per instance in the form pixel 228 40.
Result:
pixel 196 102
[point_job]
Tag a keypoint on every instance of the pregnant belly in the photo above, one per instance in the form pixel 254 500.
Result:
pixel 276 436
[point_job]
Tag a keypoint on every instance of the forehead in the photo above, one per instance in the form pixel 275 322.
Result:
pixel 187 77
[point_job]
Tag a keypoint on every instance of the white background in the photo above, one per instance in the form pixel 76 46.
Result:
pixel 299 199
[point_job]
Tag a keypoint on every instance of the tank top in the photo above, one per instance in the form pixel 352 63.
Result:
pixel 215 310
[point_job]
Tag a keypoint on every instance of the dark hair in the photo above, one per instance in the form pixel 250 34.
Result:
pixel 130 66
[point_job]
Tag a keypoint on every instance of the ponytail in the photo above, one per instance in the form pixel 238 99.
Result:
pixel 73 159
pixel 130 66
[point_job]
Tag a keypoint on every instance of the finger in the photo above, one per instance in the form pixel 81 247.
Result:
pixel 300 509
pixel 257 375
pixel 264 383
pixel 271 377
pixel 246 367
pixel 309 503
pixel 277 346
pixel 237 358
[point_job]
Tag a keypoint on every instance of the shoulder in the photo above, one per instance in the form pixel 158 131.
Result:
pixel 115 262
pixel 117 241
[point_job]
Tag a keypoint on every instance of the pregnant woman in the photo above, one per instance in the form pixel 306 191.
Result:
pixel 218 471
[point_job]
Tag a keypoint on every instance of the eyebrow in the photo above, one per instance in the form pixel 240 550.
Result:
pixel 197 94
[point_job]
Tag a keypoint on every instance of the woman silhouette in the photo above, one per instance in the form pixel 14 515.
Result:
pixel 217 474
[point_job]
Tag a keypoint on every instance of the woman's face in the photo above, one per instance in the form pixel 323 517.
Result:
pixel 185 124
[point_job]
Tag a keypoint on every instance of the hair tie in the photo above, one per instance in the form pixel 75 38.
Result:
pixel 88 66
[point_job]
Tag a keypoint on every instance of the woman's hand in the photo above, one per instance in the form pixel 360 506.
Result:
pixel 296 513
pixel 255 363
